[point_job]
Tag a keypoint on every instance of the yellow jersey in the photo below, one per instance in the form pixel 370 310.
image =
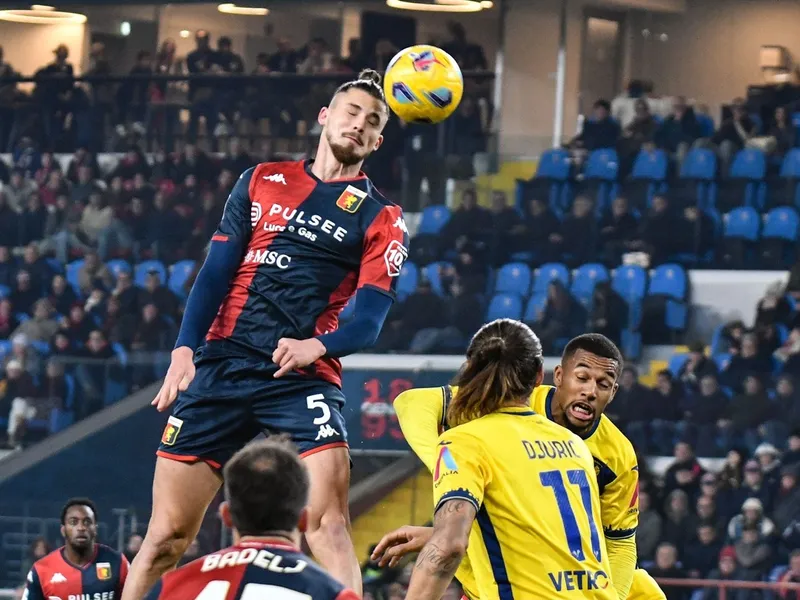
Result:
pixel 421 412
pixel 537 533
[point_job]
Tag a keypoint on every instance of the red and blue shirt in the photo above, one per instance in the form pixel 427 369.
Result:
pixel 54 577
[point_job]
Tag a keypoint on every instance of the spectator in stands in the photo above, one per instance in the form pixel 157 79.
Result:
pixel 630 409
pixel 696 234
pixel 769 459
pixel 8 269
pixel 465 315
pixel 705 412
pixel 533 236
pixel 8 322
pixel 153 334
pixel 8 94
pixel 155 292
pixel 37 267
pixel 424 314
pixel 727 570
pixel 792 455
pixel 609 312
pixel 792 575
pixel 18 189
pixel 638 133
pixel 506 220
pixel 467 54
pixel 25 355
pixel 774 308
pixel 781 134
pixel 753 486
pixel 685 472
pixel 133 546
pixel 76 325
pixel 62 297
pixel 657 232
pixel 599 131
pixel 753 553
pixel 466 137
pixel 788 355
pixel 83 158
pixel 679 130
pixel 786 506
pixel 32 220
pixel 746 412
pixel 706 514
pixel 701 554
pixel 201 94
pixel 648 533
pixel 747 362
pixel 54 89
pixel 468 220
pixel 42 326
pixel 665 412
pixel 575 239
pixel 93 271
pixel 9 223
pixel 561 317
pixel 92 375
pixel 667 567
pixel 165 228
pixel 752 516
pixel 733 133
pixel 787 401
pixel 16 392
pixel 23 295
pixel 38 549
pixel 677 520
pixel 697 367
pixel 617 229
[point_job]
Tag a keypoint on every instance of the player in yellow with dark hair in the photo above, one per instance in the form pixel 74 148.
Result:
pixel 511 485
pixel 586 381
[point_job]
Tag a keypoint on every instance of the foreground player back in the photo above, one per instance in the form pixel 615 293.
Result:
pixel 538 532
pixel 251 570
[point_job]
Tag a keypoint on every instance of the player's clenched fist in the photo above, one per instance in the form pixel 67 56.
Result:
pixel 296 354
pixel 179 376
pixel 395 545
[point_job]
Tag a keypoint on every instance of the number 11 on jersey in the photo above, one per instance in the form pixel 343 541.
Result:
pixel 576 477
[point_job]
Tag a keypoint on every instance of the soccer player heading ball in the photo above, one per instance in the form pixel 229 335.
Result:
pixel 259 343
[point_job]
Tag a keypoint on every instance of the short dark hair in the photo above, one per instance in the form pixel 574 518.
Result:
pixel 77 502
pixel 594 343
pixel 603 103
pixel 266 486
pixel 368 81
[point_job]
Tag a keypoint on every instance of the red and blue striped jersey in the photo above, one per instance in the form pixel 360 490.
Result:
pixel 55 578
pixel 307 246
pixel 255 570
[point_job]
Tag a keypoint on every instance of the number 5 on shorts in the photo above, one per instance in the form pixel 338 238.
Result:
pixel 317 401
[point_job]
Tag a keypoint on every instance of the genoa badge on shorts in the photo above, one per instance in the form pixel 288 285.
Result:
pixel 104 571
pixel 171 431
pixel 351 199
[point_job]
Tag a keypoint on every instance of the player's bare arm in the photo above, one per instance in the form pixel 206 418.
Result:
pixel 437 563
pixel 400 542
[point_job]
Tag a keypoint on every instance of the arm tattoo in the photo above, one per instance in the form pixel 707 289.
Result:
pixel 437 561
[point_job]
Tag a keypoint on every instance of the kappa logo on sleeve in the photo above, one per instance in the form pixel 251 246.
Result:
pixel 395 256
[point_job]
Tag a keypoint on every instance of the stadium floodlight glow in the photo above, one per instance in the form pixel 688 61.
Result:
pixel 462 6
pixel 185 33
pixel 42 7
pixel 249 11
pixel 42 15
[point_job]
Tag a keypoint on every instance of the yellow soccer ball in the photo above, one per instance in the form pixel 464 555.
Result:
pixel 423 84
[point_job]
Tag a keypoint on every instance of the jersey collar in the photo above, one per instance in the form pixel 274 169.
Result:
pixel 307 166
pixel 548 411
pixel 520 411
pixel 63 552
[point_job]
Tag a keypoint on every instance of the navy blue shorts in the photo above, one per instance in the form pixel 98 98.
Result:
pixel 231 401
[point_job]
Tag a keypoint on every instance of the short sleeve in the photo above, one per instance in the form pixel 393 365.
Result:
pixel 460 471
pixel 385 251
pixel 620 504
pixel 239 212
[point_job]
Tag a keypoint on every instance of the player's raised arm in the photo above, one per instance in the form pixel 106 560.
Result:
pixel 420 413
pixel 209 289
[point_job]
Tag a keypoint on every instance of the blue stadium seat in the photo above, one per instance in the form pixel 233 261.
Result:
pixel 141 270
pixel 647 178
pixel 745 183
pixel 433 273
pixel 676 363
pixel 5 349
pixel 43 348
pixel 784 190
pixel 549 272
pixel 535 306
pixel 513 278
pixel 504 306
pixel 407 282
pixel 742 223
pixel 699 164
pixel 695 186
pixel 781 223
pixel 600 177
pixel 707 126
pixel 178 275
pixel 790 168
pixel 433 219
pixel 630 282
pixel 722 360
pixel 117 266
pixel 72 274
pixel 671 281
pixel 55 265
pixel 652 165
pixel 585 278
pixel 554 164
pixel 4 291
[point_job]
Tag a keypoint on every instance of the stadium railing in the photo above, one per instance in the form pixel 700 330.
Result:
pixel 726 589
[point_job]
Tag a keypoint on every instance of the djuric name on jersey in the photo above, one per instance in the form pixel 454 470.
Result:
pixel 549 449
pixel 252 556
